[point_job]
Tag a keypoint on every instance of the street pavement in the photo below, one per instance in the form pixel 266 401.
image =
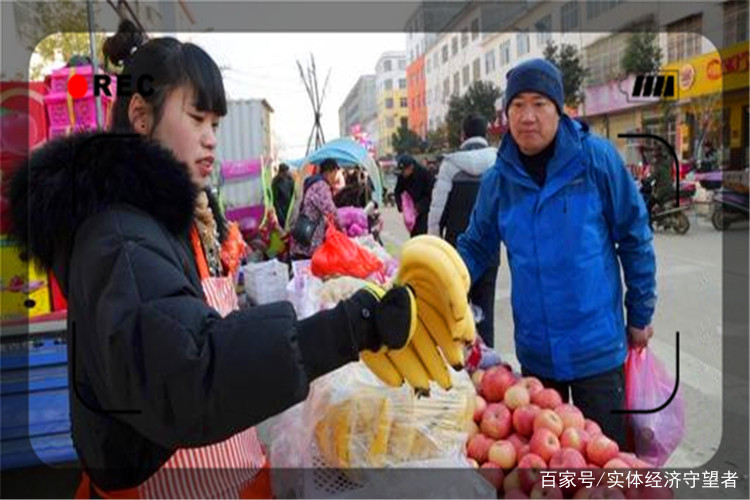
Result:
pixel 689 287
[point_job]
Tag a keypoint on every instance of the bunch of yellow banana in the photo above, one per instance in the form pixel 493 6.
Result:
pixel 437 275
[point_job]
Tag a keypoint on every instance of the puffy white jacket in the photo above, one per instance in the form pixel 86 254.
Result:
pixel 474 157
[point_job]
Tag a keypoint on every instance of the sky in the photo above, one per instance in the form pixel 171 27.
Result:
pixel 263 65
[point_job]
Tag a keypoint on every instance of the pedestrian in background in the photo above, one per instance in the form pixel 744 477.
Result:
pixel 417 181
pixel 453 199
pixel 283 193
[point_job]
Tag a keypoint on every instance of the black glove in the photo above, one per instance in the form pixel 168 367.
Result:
pixel 367 320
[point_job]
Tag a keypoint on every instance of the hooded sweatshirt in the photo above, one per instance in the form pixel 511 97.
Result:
pixel 464 167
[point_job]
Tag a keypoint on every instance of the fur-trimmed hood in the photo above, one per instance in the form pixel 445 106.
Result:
pixel 73 178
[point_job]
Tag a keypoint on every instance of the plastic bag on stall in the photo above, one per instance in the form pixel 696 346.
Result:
pixel 409 211
pixel 350 420
pixel 648 385
pixel 303 289
pixel 340 256
pixel 353 220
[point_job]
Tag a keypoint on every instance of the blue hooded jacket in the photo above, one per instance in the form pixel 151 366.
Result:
pixel 565 243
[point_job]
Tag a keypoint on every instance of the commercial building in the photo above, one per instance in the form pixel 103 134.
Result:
pixel 359 109
pixel 392 99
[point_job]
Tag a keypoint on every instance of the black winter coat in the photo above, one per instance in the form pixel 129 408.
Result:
pixel 152 367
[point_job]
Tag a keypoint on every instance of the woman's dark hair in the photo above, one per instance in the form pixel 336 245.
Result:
pixel 328 165
pixel 170 64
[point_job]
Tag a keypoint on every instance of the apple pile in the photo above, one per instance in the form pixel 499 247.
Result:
pixel 520 428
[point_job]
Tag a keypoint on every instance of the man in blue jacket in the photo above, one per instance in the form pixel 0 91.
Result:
pixel 571 217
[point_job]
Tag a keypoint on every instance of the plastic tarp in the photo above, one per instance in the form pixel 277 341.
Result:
pixel 348 153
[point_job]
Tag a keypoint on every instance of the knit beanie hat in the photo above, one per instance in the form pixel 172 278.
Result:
pixel 536 75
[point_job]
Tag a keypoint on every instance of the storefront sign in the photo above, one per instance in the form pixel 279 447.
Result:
pixel 714 72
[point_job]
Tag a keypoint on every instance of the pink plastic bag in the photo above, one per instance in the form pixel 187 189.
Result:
pixel 409 210
pixel 648 385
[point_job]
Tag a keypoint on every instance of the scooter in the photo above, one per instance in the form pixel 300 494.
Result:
pixel 666 214
pixel 729 207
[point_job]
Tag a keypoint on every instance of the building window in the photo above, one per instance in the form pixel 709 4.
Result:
pixel 402 83
pixel 569 16
pixel 603 58
pixel 387 66
pixel 404 122
pixel 390 122
pixel 464 37
pixel 504 53
pixel 735 22
pixel 404 102
pixel 445 53
pixel 446 88
pixel 435 60
pixel 454 46
pixel 456 82
pixel 388 103
pixel 522 43
pixel 595 8
pixel 429 65
pixel 388 84
pixel 543 28
pixel 475 29
pixel 402 63
pixel 684 38
pixel 476 70
pixel 489 62
pixel 465 73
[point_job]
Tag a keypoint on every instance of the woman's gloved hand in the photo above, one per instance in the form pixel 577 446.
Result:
pixel 369 319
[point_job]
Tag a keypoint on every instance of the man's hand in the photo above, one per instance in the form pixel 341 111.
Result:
pixel 639 337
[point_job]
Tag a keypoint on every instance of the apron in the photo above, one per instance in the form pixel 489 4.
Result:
pixel 235 468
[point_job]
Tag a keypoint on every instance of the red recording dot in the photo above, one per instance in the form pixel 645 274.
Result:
pixel 77 86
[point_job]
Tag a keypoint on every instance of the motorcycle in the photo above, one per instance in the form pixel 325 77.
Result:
pixel 729 207
pixel 666 214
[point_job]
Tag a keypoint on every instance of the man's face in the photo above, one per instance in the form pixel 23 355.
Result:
pixel 533 121
pixel 408 170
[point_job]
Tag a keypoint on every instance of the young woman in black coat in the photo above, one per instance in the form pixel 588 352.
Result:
pixel 154 369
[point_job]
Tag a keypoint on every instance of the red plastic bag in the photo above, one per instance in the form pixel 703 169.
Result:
pixel 409 210
pixel 647 386
pixel 340 256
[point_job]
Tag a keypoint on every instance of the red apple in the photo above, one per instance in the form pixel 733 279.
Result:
pixel 548 419
pixel 496 421
pixel 549 492
pixel 523 419
pixel 567 458
pixel 518 442
pixel 532 461
pixel 480 405
pixel 512 481
pixel 600 449
pixel 616 463
pixel 476 378
pixel 570 416
pixel 493 473
pixel 503 453
pixel 479 447
pixel 547 398
pixel 532 384
pixel 495 382
pixel 575 438
pixel 525 450
pixel 529 477
pixel 592 427
pixel 516 396
pixel 516 493
pixel 472 428
pixel 544 443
